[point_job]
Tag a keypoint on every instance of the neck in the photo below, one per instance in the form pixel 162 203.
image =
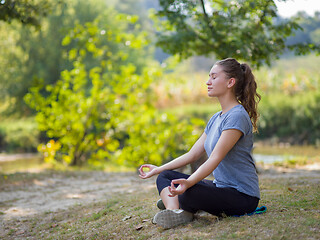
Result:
pixel 227 102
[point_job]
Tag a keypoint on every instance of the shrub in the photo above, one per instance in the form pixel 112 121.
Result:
pixel 293 118
pixel 20 135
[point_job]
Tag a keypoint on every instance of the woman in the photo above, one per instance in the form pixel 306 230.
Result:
pixel 228 141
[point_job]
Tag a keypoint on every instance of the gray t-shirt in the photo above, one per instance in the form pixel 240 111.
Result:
pixel 237 169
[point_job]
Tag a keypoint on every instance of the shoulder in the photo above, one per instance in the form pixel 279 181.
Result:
pixel 238 118
pixel 237 112
pixel 211 121
pixel 214 116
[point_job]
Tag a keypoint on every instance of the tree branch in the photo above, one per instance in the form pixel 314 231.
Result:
pixel 207 19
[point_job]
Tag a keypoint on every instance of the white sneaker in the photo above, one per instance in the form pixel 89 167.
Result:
pixel 171 218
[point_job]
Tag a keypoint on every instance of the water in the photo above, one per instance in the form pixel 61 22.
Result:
pixel 269 154
pixel 270 158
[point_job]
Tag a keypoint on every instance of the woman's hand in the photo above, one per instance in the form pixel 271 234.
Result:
pixel 184 184
pixel 153 170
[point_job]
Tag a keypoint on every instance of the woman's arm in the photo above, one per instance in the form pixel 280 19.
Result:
pixel 225 143
pixel 194 154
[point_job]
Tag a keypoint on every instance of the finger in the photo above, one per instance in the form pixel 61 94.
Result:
pixel 172 188
pixel 141 169
pixel 143 175
pixel 171 192
pixel 172 185
pixel 178 181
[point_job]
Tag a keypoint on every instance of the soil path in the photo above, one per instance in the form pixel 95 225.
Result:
pixel 50 192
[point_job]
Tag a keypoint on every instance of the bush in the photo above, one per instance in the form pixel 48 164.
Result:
pixel 105 111
pixel 19 136
pixel 295 119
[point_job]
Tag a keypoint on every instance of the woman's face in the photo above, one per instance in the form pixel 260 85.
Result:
pixel 217 82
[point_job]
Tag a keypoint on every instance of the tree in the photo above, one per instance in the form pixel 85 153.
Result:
pixel 28 12
pixel 310 29
pixel 241 29
pixel 103 109
pixel 29 53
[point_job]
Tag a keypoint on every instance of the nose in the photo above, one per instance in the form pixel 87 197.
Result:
pixel 208 82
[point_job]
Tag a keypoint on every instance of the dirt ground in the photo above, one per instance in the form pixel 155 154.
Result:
pixel 55 191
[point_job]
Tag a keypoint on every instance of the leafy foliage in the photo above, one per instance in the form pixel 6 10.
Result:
pixel 25 11
pixel 241 29
pixel 310 27
pixel 29 53
pixel 295 119
pixel 104 110
pixel 19 135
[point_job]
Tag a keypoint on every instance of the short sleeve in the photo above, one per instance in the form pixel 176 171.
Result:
pixel 238 120
pixel 210 122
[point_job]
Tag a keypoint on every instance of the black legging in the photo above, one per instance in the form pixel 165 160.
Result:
pixel 209 198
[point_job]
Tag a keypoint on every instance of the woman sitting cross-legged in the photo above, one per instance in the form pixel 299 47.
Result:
pixel 228 141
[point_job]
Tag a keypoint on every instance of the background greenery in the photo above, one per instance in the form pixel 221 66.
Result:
pixel 86 82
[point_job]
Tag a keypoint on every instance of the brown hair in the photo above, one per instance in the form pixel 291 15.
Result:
pixel 245 88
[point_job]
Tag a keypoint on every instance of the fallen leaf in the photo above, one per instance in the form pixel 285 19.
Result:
pixel 126 218
pixel 145 220
pixel 290 189
pixel 283 210
pixel 139 227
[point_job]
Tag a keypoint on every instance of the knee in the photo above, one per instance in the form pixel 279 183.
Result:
pixel 166 174
pixel 164 180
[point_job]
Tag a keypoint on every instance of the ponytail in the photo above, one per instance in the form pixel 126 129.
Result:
pixel 245 87
pixel 248 96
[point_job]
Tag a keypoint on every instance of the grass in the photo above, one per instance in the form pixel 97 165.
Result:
pixel 293 213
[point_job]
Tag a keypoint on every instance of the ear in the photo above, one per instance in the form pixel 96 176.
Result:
pixel 231 82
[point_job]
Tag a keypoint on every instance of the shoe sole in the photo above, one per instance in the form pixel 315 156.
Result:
pixel 168 218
